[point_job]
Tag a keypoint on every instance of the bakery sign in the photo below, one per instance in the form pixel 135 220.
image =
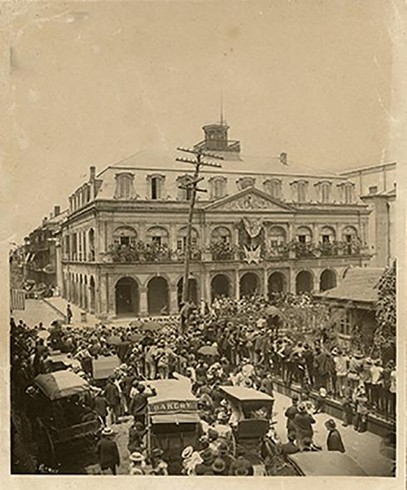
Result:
pixel 173 406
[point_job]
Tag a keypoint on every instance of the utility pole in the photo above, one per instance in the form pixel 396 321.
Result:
pixel 200 161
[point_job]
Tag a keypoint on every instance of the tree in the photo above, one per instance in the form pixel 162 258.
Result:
pixel 386 314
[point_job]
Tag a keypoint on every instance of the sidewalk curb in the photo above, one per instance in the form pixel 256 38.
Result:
pixel 55 308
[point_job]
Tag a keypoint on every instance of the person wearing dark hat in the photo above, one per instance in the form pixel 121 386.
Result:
pixel 208 457
pixel 219 467
pixel 241 467
pixel 108 451
pixel 136 437
pixel 112 396
pixel 334 440
pixel 223 450
pixel 291 412
pixel 138 405
pixel 158 466
pixel 303 422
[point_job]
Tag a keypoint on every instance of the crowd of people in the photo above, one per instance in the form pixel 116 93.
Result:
pixel 238 342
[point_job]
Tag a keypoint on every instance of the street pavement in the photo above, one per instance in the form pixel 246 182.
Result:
pixel 36 311
pixel 60 304
pixel 364 448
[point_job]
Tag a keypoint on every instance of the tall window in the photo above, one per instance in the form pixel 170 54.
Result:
pixel 245 182
pixel 327 234
pixel 182 238
pixel 218 187
pixel 324 191
pixel 273 187
pixel 184 190
pixel 125 235
pixel 302 191
pixel 348 193
pixel 304 235
pixel 157 235
pixel 277 236
pixel 221 234
pixel 345 324
pixel 156 183
pixel 124 186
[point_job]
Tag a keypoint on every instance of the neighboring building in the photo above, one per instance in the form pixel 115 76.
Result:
pixel 42 247
pixel 355 300
pixel 284 229
pixel 376 186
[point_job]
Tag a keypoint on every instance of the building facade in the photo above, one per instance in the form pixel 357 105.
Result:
pixel 376 186
pixel 254 231
pixel 43 261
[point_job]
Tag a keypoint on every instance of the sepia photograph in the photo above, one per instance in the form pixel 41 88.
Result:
pixel 204 239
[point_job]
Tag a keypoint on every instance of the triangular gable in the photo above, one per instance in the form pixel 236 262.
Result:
pixel 249 199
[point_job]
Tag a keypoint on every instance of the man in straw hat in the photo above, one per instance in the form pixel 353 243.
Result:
pixel 108 451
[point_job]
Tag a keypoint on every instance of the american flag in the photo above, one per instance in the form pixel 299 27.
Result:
pixel 17 299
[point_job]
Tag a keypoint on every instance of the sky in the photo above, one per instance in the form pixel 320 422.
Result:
pixel 93 83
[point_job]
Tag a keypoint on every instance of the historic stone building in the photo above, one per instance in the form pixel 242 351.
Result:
pixel 264 225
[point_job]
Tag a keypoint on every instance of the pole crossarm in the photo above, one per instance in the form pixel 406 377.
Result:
pixel 191 184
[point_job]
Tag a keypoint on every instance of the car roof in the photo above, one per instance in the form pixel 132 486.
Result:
pixel 326 463
pixel 241 393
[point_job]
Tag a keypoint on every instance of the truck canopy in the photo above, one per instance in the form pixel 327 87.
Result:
pixel 325 463
pixel 61 384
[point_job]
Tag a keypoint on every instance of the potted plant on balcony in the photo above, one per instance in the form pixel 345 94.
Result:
pixel 221 250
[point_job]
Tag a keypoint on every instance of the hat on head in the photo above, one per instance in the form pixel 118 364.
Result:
pixel 187 452
pixel 107 431
pixel 330 424
pixel 208 455
pixel 223 447
pixel 157 452
pixel 218 466
pixel 136 457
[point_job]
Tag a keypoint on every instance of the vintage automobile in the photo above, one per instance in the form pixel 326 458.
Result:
pixel 65 419
pixel 324 463
pixel 251 419
pixel 173 420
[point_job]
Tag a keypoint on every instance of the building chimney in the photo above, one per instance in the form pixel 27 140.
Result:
pixel 57 210
pixel 92 170
pixel 283 158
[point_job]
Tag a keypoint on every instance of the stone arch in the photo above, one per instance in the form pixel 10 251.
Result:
pixel 220 286
pixel 192 293
pixel 127 297
pixel 304 282
pixel 277 283
pixel 249 284
pixel 158 296
pixel 327 280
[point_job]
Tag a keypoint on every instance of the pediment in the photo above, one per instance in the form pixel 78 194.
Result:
pixel 250 199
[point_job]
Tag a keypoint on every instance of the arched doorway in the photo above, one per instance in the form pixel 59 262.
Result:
pixel 158 296
pixel 327 280
pixel 193 290
pixel 276 283
pixel 92 295
pixel 249 284
pixel 220 286
pixel 304 282
pixel 127 297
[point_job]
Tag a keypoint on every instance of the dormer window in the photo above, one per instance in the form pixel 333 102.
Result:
pixel 217 187
pixel 245 182
pixel 185 190
pixel 273 187
pixel 347 192
pixel 324 191
pixel 300 188
pixel 124 186
pixel 156 185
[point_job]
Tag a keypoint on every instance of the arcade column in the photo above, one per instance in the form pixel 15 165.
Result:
pixel 173 290
pixel 143 301
pixel 237 285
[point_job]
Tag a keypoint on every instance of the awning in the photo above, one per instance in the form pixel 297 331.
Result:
pixel 176 418
pixel 61 384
